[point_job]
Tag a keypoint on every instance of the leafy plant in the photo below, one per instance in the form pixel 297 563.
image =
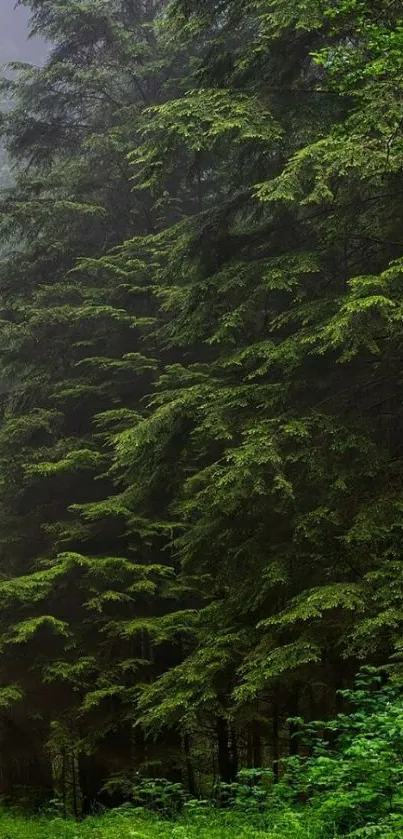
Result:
pixel 352 779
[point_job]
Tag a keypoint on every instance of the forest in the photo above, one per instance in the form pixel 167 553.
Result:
pixel 201 421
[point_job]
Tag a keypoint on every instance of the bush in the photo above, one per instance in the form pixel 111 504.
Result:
pixel 353 778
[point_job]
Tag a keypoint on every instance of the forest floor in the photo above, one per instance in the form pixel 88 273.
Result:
pixel 132 826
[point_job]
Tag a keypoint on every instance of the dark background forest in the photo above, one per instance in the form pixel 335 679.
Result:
pixel 201 356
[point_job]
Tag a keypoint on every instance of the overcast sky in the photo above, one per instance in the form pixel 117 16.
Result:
pixel 14 33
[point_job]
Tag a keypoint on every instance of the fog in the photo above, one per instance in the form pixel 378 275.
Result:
pixel 15 44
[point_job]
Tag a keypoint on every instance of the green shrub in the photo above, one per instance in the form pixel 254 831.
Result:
pixel 353 779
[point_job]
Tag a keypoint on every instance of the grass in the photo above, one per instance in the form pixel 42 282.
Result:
pixel 121 825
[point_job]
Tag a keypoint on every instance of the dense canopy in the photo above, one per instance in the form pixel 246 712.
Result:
pixel 201 354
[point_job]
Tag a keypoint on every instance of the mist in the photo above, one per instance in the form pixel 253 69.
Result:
pixel 15 44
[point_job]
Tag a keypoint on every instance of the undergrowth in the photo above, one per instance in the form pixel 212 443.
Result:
pixel 349 786
pixel 128 825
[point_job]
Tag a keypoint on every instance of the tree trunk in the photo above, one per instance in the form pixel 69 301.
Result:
pixel 275 738
pixel 234 753
pixel 190 775
pixel 294 707
pixel 66 781
pixel 225 763
pixel 256 746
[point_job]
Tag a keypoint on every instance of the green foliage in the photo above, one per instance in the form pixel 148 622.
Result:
pixel 200 363
pixel 157 795
pixel 352 776
pixel 125 823
pixel 349 779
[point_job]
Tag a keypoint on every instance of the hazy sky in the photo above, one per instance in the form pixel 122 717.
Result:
pixel 13 35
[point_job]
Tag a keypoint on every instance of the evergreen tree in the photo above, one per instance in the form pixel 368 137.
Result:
pixel 73 369
pixel 279 413
pixel 200 437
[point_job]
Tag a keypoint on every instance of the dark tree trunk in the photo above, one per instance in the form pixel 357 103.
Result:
pixel 190 775
pixel 256 746
pixel 225 762
pixel 234 753
pixel 275 738
pixel 294 708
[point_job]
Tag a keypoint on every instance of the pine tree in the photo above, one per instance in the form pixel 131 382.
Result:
pixel 73 374
pixel 200 437
pixel 277 312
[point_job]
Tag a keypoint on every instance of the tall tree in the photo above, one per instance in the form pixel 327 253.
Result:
pixel 72 369
pixel 279 413
pixel 200 439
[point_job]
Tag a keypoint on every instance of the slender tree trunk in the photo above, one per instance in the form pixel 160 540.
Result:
pixel 77 814
pixel 234 753
pixel 67 780
pixel 275 739
pixel 190 775
pixel 249 750
pixel 256 746
pixel 224 754
pixel 64 790
pixel 294 708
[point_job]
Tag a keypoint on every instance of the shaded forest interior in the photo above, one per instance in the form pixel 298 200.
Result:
pixel 201 356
